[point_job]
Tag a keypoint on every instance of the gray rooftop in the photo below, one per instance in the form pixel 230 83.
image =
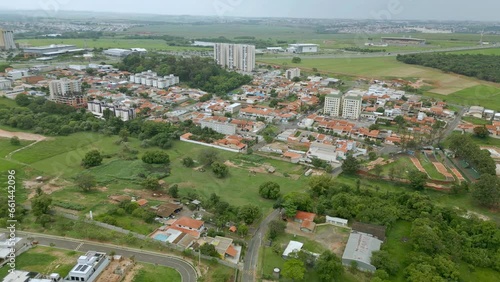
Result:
pixel 360 247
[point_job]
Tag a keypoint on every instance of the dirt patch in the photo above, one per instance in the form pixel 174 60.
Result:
pixel 48 187
pixel 22 135
pixel 230 164
pixel 148 195
pixel 118 270
pixel 330 237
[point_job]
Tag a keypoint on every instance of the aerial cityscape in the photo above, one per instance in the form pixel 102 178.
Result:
pixel 245 141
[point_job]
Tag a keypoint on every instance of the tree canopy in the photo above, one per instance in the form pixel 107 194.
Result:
pixel 91 159
pixel 269 190
pixel 156 157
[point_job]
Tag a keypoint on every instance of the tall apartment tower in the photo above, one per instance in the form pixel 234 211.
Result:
pixel 7 40
pixel 332 105
pixel 351 106
pixel 67 92
pixel 235 56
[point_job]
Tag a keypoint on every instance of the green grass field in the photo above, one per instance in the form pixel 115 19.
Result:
pixel 150 44
pixel 151 273
pixel 6 147
pixel 430 168
pixel 492 51
pixel 483 95
pixel 45 260
pixel 476 121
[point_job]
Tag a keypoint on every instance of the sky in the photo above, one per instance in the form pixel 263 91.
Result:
pixel 477 10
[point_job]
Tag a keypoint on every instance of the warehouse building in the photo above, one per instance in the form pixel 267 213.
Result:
pixel 359 249
pixel 303 48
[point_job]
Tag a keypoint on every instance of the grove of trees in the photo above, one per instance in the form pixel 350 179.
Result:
pixel 464 147
pixel 484 67
pixel 156 157
pixel 269 190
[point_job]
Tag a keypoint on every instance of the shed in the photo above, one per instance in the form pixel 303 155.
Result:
pixel 336 221
pixel 359 249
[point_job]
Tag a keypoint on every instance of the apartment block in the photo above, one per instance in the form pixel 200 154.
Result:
pixel 235 56
pixel 351 106
pixel 69 92
pixel 291 73
pixel 332 105
pixel 7 40
pixel 151 79
pixel 225 128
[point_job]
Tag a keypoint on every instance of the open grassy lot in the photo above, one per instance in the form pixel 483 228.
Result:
pixel 150 44
pixel 45 260
pixel 6 147
pixel 476 121
pixel 381 67
pixel 151 273
pixel 483 95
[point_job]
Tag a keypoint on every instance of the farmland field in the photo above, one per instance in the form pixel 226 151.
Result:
pixel 483 95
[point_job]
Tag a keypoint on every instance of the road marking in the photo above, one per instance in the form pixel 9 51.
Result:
pixel 79 246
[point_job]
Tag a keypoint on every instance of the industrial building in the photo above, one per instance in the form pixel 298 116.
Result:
pixel 303 48
pixel 116 52
pixel 69 92
pixel 291 73
pixel 98 108
pixel 7 40
pixel 150 78
pixel 235 56
pixel 50 49
pixel 359 249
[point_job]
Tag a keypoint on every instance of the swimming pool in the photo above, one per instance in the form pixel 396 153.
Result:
pixel 161 237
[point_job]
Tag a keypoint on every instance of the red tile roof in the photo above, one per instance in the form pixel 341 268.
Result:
pixel 301 215
pixel 231 251
pixel 189 222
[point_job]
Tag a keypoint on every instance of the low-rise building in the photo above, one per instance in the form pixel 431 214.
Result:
pixel 89 267
pixel 292 249
pixel 359 249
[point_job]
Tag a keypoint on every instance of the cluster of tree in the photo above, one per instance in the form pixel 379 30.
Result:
pixel 219 169
pixel 269 190
pixel 464 147
pixel 364 50
pixel 319 163
pixel 91 159
pixel 156 157
pixel 350 165
pixel 441 238
pixel 126 208
pixel 479 66
pixel 197 72
pixel 206 134
pixel 40 207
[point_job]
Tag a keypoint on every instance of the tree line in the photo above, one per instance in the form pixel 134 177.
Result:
pixel 480 66
pixel 464 147
pixel 197 72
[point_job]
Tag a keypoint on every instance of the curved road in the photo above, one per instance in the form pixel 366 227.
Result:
pixel 186 270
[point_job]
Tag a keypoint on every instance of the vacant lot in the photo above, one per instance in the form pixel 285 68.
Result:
pixel 151 273
pixel 45 260
pixel 483 95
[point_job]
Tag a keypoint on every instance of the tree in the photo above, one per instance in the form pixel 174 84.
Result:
pixel 329 267
pixel 384 260
pixel 249 213
pixel 242 230
pixel 392 173
pixel 269 190
pixel 174 191
pixel 417 179
pixel 294 269
pixel 124 134
pixel 208 156
pixel 296 79
pixel 374 127
pixel 188 162
pixel 380 110
pixel 91 159
pixel 85 181
pixel 276 228
pixel 220 170
pixel 22 100
pixel 378 169
pixel 320 185
pixel 290 208
pixel 156 157
pixel 372 156
pixel 209 250
pixel 151 183
pixel 350 165
pixel 486 191
pixel 481 132
pixel 14 141
pixel 40 204
pixel 90 71
pixel 296 60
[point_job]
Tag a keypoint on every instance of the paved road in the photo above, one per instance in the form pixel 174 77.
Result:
pixel 187 271
pixel 252 256
pixel 453 124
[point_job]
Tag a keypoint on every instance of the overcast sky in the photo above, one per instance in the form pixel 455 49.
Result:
pixel 483 10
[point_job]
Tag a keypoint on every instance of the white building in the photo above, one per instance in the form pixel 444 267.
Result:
pixel 64 87
pixel 5 84
pixel 233 108
pixel 7 40
pixel 303 48
pixel 98 108
pixel 17 74
pixel 19 244
pixel 332 104
pixel 220 127
pixel 291 73
pixel 89 267
pixel 351 106
pixel 235 56
pixel 40 50
pixel 151 79
pixel 337 221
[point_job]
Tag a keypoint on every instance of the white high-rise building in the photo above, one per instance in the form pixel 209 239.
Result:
pixel 7 40
pixel 291 73
pixel 235 56
pixel 64 87
pixel 351 106
pixel 332 105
